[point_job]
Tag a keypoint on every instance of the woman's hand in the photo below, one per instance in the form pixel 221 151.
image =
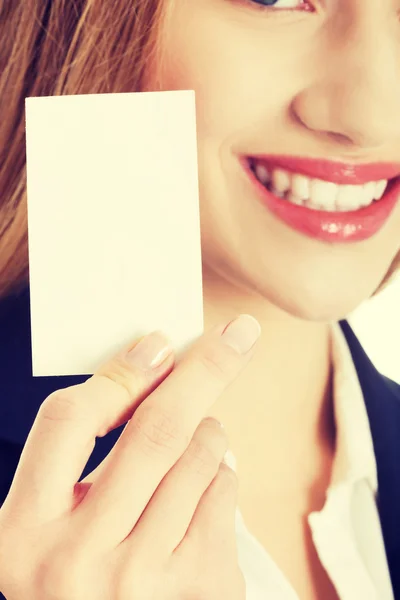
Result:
pixel 156 519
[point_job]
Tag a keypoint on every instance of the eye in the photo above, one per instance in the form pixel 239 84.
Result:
pixel 281 4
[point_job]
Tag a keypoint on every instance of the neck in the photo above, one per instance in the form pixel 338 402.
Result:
pixel 283 398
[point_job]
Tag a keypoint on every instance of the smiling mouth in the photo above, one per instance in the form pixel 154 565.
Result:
pixel 315 193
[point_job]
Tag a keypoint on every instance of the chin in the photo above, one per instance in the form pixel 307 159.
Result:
pixel 321 289
pixel 321 310
pixel 321 303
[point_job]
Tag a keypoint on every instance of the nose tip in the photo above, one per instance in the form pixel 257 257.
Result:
pixel 350 120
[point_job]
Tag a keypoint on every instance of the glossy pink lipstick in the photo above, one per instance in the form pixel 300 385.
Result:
pixel 330 226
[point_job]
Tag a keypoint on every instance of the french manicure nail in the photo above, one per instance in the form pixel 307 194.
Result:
pixel 242 333
pixel 150 352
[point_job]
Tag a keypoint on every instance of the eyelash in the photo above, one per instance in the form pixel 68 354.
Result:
pixel 305 6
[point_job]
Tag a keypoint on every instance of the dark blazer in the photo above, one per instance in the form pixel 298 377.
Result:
pixel 21 396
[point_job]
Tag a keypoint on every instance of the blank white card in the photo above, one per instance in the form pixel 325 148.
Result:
pixel 113 224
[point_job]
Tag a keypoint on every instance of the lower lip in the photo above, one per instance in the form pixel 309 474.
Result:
pixel 335 227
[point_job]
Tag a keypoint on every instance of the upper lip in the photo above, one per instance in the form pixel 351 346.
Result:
pixel 334 171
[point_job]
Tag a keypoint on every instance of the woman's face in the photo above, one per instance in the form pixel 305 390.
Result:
pixel 292 79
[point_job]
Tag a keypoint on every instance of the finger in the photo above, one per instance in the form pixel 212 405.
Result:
pixel 213 527
pixel 160 432
pixel 65 429
pixel 170 511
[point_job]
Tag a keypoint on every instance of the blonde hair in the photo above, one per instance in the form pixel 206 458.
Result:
pixel 58 47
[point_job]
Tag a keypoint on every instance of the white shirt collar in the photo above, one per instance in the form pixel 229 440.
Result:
pixel 354 456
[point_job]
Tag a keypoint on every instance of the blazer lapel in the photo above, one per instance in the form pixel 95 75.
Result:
pixel 382 400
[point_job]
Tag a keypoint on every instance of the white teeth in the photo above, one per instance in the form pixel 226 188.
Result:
pixel 349 197
pixel 301 186
pixel 262 173
pixel 380 189
pixel 323 194
pixel 369 190
pixel 281 180
pixel 295 199
pixel 316 193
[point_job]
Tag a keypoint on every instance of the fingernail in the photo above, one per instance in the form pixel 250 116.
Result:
pixel 225 459
pixel 150 352
pixel 214 422
pixel 242 333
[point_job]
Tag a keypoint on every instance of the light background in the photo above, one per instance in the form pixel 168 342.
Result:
pixel 377 325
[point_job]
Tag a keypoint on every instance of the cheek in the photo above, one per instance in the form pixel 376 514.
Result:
pixel 230 79
pixel 215 99
pixel 235 71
